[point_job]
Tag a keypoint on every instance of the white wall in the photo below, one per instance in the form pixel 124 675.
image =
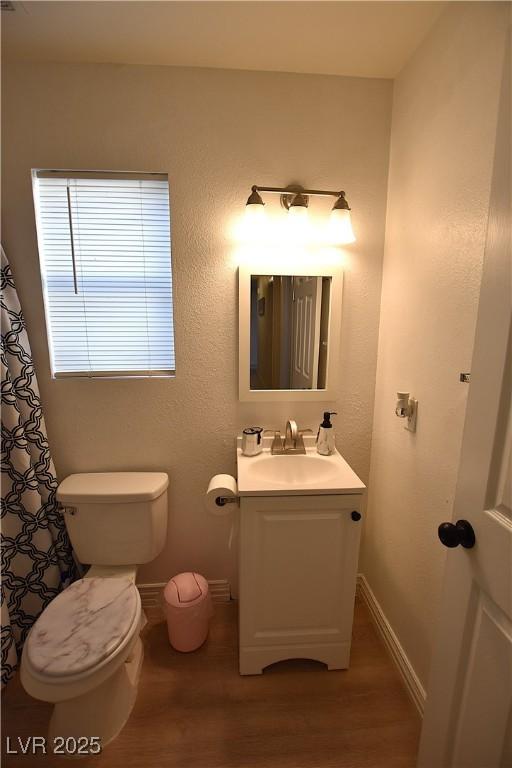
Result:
pixel 442 144
pixel 216 133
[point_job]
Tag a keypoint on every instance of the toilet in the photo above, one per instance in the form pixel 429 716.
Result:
pixel 84 653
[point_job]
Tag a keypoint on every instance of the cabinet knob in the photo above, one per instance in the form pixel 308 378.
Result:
pixel 355 515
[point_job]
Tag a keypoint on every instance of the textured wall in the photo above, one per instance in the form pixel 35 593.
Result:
pixel 442 144
pixel 215 132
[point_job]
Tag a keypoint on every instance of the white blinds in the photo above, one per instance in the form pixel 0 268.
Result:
pixel 105 251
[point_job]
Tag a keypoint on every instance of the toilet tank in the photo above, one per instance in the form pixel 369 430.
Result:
pixel 115 518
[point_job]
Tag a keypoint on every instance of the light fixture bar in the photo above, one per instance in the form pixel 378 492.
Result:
pixel 296 190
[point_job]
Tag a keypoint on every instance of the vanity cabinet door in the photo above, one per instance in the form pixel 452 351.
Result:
pixel 298 563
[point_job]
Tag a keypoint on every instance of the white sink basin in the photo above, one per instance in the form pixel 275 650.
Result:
pixel 308 473
pixel 293 470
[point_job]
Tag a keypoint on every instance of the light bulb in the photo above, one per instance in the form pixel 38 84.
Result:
pixel 298 222
pixel 340 227
pixel 254 221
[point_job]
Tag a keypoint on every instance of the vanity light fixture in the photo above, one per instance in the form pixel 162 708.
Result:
pixel 340 224
pixel 254 199
pixel 298 203
pixel 296 200
pixel 254 215
pixel 298 217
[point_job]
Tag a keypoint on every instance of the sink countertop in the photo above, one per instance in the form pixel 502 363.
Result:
pixel 294 475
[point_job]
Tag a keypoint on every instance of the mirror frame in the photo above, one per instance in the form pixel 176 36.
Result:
pixel 245 393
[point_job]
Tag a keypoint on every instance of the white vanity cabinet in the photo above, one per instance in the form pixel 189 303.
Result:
pixel 298 563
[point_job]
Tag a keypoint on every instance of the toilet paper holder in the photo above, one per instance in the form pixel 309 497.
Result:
pixel 222 500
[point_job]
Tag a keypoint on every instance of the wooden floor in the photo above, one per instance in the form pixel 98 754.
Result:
pixel 195 711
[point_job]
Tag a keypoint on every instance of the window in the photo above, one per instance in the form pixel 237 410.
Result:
pixel 105 253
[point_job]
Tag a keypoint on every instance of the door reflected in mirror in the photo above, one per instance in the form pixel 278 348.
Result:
pixel 289 332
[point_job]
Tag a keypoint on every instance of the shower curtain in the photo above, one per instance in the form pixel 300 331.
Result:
pixel 37 559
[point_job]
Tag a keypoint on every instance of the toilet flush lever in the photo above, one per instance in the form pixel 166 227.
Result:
pixel 69 510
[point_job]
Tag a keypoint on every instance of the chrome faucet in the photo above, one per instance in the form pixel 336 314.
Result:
pixel 292 443
pixel 291 435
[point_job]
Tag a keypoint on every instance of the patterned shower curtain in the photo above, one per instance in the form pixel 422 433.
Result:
pixel 37 559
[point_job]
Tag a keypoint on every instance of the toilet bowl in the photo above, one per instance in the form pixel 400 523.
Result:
pixel 84 653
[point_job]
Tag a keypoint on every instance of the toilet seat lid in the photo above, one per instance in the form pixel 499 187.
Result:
pixel 83 625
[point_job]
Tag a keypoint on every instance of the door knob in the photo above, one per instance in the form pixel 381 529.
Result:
pixel 461 533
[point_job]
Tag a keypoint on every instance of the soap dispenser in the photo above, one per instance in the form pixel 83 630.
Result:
pixel 325 437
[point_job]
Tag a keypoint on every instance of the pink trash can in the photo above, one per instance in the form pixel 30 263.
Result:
pixel 188 609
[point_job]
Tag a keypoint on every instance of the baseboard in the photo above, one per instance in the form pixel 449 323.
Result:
pixel 220 590
pixel 397 653
pixel 151 594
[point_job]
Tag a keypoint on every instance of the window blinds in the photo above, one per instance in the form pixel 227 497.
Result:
pixel 104 245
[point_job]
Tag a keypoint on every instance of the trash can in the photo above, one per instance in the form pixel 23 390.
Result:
pixel 188 609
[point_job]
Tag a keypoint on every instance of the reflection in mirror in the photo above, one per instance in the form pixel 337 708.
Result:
pixel 289 331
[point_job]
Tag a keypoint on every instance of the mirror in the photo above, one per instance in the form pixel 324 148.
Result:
pixel 289 331
pixel 289 334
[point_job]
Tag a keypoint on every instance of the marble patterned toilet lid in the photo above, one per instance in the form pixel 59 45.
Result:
pixel 83 625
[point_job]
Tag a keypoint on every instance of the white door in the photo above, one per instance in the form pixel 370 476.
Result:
pixel 306 308
pixel 468 717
